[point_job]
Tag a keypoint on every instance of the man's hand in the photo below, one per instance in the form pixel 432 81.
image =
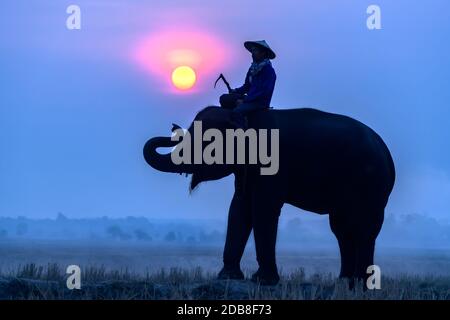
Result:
pixel 239 101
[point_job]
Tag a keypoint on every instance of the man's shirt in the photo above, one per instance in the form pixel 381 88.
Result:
pixel 261 88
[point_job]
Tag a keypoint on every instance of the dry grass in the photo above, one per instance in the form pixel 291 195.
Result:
pixel 31 281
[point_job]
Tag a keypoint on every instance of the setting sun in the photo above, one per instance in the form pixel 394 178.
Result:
pixel 183 77
pixel 165 52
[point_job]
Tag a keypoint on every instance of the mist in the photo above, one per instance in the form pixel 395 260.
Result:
pixel 299 232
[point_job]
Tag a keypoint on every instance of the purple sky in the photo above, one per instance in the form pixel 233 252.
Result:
pixel 76 107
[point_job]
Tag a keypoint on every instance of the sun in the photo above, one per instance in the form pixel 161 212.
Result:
pixel 183 77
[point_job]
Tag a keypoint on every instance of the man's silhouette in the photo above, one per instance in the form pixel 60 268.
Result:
pixel 256 92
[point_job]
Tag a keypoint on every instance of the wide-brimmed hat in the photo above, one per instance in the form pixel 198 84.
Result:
pixel 262 44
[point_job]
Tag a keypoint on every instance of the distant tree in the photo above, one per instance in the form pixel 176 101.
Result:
pixel 213 236
pixel 170 236
pixel 141 235
pixel 116 233
pixel 190 239
pixel 61 217
pixel 21 229
pixel 3 233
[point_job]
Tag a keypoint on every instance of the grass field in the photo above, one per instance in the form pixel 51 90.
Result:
pixel 39 282
pixel 113 271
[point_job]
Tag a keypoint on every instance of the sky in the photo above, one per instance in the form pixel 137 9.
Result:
pixel 77 106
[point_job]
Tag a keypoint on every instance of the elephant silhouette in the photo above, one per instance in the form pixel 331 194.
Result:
pixel 328 164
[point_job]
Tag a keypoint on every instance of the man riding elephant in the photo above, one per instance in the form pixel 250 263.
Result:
pixel 256 92
pixel 327 163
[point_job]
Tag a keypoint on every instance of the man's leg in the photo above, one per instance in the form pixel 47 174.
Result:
pixel 228 100
pixel 242 110
pixel 246 108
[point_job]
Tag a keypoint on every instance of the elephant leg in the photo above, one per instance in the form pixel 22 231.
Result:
pixel 347 249
pixel 366 237
pixel 364 258
pixel 356 231
pixel 265 214
pixel 238 230
pixel 346 243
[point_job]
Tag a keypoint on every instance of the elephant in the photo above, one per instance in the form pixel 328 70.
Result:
pixel 328 164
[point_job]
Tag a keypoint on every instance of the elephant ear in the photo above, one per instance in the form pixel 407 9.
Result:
pixel 219 118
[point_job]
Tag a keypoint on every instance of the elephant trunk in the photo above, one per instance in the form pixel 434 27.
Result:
pixel 163 162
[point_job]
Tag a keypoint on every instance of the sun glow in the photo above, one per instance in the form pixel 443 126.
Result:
pixel 182 61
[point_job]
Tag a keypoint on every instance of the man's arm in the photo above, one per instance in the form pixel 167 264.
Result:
pixel 267 85
pixel 244 88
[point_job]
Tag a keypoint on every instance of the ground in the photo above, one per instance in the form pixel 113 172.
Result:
pixel 36 270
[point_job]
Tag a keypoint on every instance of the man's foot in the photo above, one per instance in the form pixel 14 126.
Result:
pixel 265 277
pixel 230 273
